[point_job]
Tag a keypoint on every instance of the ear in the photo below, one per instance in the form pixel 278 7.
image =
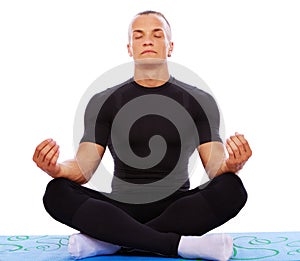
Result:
pixel 129 49
pixel 170 50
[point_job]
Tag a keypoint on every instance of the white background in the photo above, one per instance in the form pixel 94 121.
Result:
pixel 246 51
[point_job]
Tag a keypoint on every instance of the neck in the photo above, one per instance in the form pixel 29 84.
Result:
pixel 151 72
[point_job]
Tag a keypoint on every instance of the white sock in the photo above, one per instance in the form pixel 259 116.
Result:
pixel 81 246
pixel 210 246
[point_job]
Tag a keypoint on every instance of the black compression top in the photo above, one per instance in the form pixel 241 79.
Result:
pixel 128 118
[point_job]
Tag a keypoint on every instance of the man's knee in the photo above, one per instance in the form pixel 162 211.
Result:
pixel 56 197
pixel 54 188
pixel 230 195
pixel 235 189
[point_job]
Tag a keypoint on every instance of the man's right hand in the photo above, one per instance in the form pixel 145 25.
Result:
pixel 46 155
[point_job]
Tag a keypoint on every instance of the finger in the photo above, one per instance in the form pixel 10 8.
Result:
pixel 39 148
pixel 234 148
pixel 49 156
pixel 43 154
pixel 229 150
pixel 245 143
pixel 54 159
pixel 239 145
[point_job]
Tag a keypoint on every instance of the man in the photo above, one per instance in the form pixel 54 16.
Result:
pixel 162 217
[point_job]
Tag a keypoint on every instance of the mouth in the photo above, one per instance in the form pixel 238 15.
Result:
pixel 148 51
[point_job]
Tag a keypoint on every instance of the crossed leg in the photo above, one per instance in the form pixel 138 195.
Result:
pixel 157 227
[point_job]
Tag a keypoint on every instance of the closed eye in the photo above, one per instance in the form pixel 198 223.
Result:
pixel 137 34
pixel 158 33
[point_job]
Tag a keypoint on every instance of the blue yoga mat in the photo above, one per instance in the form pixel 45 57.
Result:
pixel 247 246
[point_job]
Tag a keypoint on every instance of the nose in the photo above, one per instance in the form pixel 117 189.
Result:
pixel 148 41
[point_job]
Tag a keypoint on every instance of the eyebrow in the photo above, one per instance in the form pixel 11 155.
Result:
pixel 141 31
pixel 137 31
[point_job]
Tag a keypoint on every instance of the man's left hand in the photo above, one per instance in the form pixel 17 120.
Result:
pixel 239 152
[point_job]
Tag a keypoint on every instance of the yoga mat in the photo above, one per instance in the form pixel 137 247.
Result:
pixel 277 246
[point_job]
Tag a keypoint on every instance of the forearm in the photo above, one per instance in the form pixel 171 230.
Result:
pixel 71 170
pixel 213 157
pixel 223 168
pixel 220 165
pixel 239 152
pixel 215 168
pixel 80 169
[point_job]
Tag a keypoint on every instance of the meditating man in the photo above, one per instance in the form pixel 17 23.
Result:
pixel 152 124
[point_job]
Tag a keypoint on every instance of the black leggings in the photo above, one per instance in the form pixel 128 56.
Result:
pixel 155 227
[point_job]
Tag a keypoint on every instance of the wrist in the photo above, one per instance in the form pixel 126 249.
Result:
pixel 56 172
pixel 223 168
